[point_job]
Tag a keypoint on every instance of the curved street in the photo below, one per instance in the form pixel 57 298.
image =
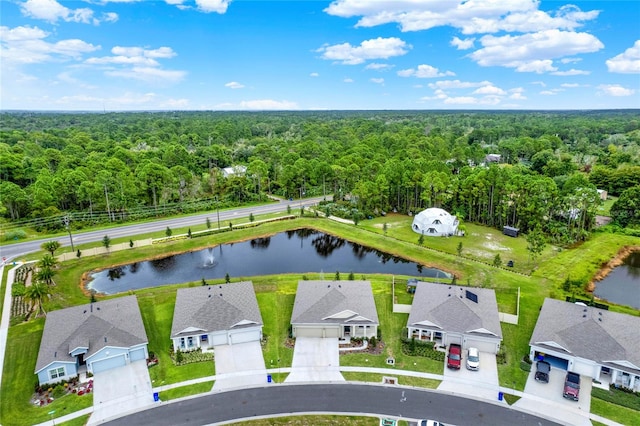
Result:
pixel 347 398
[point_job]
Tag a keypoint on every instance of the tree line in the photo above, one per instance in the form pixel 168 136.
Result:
pixel 546 171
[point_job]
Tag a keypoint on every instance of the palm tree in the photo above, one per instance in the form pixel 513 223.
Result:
pixel 45 275
pixel 50 246
pixel 48 261
pixel 37 294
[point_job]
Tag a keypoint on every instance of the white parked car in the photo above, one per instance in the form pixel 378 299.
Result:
pixel 473 359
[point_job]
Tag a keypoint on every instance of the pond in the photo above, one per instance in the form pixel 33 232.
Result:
pixel 301 251
pixel 622 284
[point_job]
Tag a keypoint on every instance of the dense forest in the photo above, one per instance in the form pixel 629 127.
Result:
pixel 533 170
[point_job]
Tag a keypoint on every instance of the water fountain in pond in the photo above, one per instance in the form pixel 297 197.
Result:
pixel 209 258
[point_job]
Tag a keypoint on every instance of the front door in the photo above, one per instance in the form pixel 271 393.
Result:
pixel 347 330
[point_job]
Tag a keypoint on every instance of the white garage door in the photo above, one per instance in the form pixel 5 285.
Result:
pixel 219 339
pixel 245 336
pixel 108 363
pixel 482 345
pixel 317 332
pixel 137 354
pixel 584 368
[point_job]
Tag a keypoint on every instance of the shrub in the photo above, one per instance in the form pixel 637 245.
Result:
pixel 18 289
pixel 501 357
pixel 373 342
pixel 15 234
pixel 414 347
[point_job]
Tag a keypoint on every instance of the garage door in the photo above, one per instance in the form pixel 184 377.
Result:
pixel 245 336
pixel 219 339
pixel 317 332
pixel 137 354
pixel 482 345
pixel 555 361
pixel 584 368
pixel 108 363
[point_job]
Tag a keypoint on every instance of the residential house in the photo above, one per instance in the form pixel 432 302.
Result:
pixel 340 309
pixel 96 337
pixel 449 314
pixel 592 342
pixel 221 314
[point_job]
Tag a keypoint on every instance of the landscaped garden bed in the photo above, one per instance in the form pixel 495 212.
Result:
pixel 415 347
pixel 46 394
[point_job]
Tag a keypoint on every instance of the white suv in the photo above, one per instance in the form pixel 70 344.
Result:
pixel 473 359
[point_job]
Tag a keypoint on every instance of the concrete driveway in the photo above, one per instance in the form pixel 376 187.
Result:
pixel 552 391
pixel 121 390
pixel 482 383
pixel 315 359
pixel 242 362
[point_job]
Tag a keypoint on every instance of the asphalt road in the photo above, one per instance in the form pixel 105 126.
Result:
pixel 336 398
pixel 12 251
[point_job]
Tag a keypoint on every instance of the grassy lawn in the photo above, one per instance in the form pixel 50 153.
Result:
pixel 78 421
pixel 619 397
pixel 605 208
pixel 401 380
pixel 18 381
pixel 314 420
pixel 183 391
pixel 617 413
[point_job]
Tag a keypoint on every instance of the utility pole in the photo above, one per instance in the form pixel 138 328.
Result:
pixel 66 221
pixel 218 211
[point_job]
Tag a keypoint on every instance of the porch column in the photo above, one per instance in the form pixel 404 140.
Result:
pixel 632 380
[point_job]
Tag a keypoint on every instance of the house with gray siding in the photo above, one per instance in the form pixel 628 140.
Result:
pixel 96 337
pixel 220 314
pixel 592 342
pixel 446 314
pixel 340 309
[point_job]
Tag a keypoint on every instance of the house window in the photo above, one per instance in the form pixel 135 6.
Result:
pixel 56 373
pixel 190 341
pixel 182 342
pixel 204 338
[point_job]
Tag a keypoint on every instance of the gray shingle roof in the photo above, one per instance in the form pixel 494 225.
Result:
pixel 588 332
pixel 215 308
pixel 114 322
pixel 317 300
pixel 448 307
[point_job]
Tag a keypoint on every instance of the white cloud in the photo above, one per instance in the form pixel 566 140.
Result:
pixel 533 52
pixel 264 104
pixel 314 74
pixel 378 48
pixel 424 71
pixel 463 44
pixel 570 60
pixel 148 74
pixel 377 80
pixel 27 45
pixel 615 90
pixel 217 6
pixel 378 66
pixel 517 96
pixel 470 16
pixel 347 80
pixel 234 85
pixel 627 62
pixel 572 85
pixel 551 92
pixel 457 84
pixel 572 71
pixel 489 90
pixel 52 11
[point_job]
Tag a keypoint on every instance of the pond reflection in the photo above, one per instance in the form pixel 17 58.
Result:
pixel 622 285
pixel 299 251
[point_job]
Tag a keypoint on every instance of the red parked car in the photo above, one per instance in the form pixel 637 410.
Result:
pixel 454 358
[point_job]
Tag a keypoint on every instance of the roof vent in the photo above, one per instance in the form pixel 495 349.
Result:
pixel 600 313
pixel 209 295
pixel 98 307
pixel 220 286
pixel 84 312
pixel 339 285
pixel 105 339
pixel 449 295
pixel 449 287
pixel 584 310
pixel 209 287
pixel 55 354
pixel 220 294
pixel 328 285
pixel 584 316
pixel 600 319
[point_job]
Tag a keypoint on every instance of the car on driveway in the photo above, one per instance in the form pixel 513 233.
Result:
pixel 473 359
pixel 455 356
pixel 430 423
pixel 571 386
pixel 542 371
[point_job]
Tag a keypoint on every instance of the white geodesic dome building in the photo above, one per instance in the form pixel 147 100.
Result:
pixel 435 222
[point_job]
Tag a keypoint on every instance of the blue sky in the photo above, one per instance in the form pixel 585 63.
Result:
pixel 304 55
